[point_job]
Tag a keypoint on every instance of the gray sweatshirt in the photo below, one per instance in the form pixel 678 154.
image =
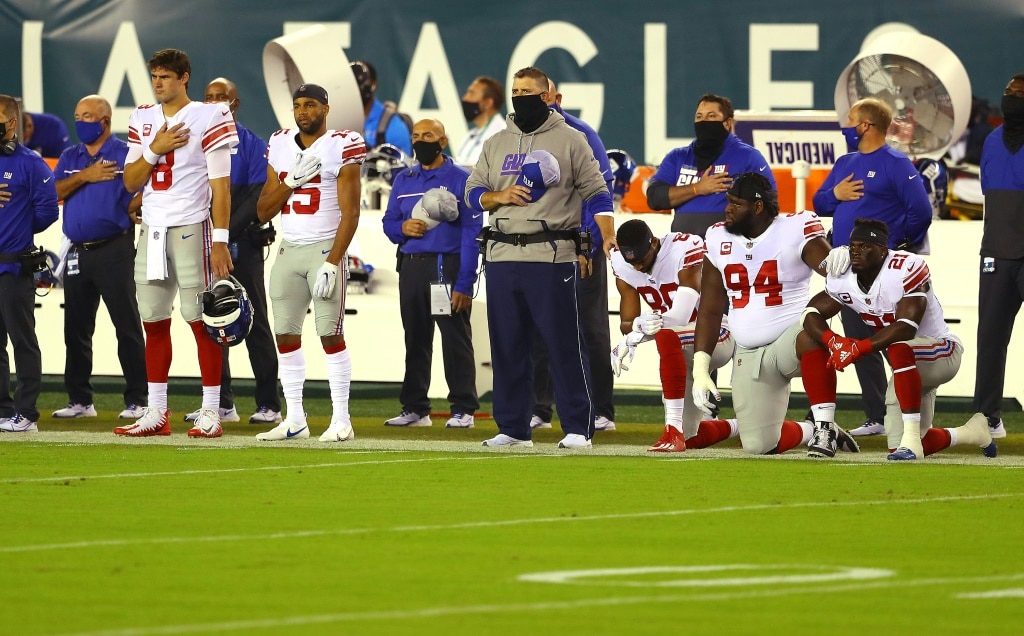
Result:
pixel 561 206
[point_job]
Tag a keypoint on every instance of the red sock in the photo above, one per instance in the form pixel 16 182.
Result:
pixel 935 439
pixel 210 355
pixel 709 433
pixel 790 437
pixel 672 366
pixel 158 350
pixel 906 379
pixel 819 380
pixel 335 348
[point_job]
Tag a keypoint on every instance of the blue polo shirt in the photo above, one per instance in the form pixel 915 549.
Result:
pixel 33 204
pixel 449 237
pixel 95 211
pixel 601 155
pixel 397 133
pixel 49 135
pixel 248 158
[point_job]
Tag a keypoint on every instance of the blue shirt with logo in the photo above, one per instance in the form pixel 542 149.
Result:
pixel 33 204
pixel 95 211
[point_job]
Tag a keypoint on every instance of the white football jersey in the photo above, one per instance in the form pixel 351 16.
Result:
pixel 766 279
pixel 678 251
pixel 312 213
pixel 178 191
pixel 902 273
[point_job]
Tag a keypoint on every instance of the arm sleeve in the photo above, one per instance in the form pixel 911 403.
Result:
pixel 470 220
pixel 218 162
pixel 657 195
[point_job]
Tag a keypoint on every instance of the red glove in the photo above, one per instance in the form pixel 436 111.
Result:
pixel 846 351
pixel 830 340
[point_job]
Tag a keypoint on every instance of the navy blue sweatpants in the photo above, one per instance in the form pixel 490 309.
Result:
pixel 525 300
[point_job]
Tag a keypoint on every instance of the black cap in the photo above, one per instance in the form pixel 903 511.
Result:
pixel 751 186
pixel 634 239
pixel 314 91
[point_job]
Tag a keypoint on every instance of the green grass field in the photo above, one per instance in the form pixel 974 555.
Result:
pixel 422 531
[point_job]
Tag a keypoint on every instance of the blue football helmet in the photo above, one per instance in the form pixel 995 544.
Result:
pixel 383 163
pixel 936 182
pixel 227 312
pixel 623 167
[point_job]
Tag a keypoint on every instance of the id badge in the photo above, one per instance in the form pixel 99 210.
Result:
pixel 440 301
pixel 72 266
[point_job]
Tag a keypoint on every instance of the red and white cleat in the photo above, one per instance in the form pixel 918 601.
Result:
pixel 153 422
pixel 671 441
pixel 207 424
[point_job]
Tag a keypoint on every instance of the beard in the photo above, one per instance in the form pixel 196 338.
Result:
pixel 312 127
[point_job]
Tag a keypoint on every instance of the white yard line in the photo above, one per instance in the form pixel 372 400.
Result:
pixel 102 543
pixel 513 608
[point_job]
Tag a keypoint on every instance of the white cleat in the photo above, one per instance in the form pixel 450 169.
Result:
pixel 75 410
pixel 265 415
pixel 574 440
pixel 132 412
pixel 409 419
pixel 207 424
pixel 538 422
pixel 226 415
pixel 18 424
pixel 602 423
pixel 284 431
pixel 459 420
pixel 338 431
pixel 506 440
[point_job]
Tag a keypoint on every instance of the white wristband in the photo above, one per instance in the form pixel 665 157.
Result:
pixel 220 235
pixel 151 157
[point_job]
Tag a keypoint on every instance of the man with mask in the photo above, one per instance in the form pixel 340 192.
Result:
pixel 481 106
pixel 872 181
pixel 1001 284
pixel 692 180
pixel 541 183
pixel 436 236
pixel 383 123
pixel 100 262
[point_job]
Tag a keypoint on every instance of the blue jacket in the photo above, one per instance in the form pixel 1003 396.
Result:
pixel 95 211
pixel 49 135
pixel 893 192
pixel 248 174
pixel 1002 181
pixel 397 133
pixel 449 237
pixel 594 140
pixel 33 204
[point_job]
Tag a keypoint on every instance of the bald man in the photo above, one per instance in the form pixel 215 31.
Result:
pixel 435 231
pixel 246 241
pixel 100 262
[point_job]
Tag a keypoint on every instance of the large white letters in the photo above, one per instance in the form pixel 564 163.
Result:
pixel 656 142
pixel 430 63
pixel 125 61
pixel 765 38
pixel 32 66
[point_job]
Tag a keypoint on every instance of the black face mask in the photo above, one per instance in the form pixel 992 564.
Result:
pixel 711 136
pixel 470 110
pixel 530 112
pixel 426 151
pixel 1013 122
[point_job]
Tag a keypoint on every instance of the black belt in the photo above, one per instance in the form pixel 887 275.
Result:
pixel 92 245
pixel 432 255
pixel 10 258
pixel 523 240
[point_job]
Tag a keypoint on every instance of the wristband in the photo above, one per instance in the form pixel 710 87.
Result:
pixel 864 346
pixel 695 190
pixel 151 157
pixel 827 337
pixel 220 235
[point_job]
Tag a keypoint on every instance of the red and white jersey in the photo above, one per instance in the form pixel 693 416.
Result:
pixel 766 279
pixel 312 213
pixel 901 274
pixel 678 251
pixel 178 191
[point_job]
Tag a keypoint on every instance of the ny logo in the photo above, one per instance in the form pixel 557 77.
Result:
pixel 8 175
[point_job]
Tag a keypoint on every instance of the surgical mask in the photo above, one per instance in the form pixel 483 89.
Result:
pixel 852 138
pixel 1012 106
pixel 710 131
pixel 530 112
pixel 470 110
pixel 426 151
pixel 88 131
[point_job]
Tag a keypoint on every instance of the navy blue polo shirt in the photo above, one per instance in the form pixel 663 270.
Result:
pixel 95 211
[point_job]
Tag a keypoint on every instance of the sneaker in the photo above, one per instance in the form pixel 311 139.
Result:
pixel 902 454
pixel 671 441
pixel 208 424
pixel 823 441
pixel 845 441
pixel 265 415
pixel 132 412
pixel 869 427
pixel 226 415
pixel 285 430
pixel 538 422
pixel 459 420
pixel 410 419
pixel 504 440
pixel 602 423
pixel 152 422
pixel 996 428
pixel 339 431
pixel 574 440
pixel 73 409
pixel 18 424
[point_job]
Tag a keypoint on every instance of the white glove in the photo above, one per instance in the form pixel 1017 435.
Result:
pixel 306 167
pixel 703 385
pixel 648 323
pixel 626 346
pixel 837 261
pixel 326 277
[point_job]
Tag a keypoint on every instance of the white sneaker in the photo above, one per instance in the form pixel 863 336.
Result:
pixel 338 431
pixel 867 428
pixel 226 415
pixel 73 409
pixel 285 430
pixel 459 420
pixel 602 423
pixel 265 415
pixel 996 428
pixel 207 424
pixel 18 424
pixel 132 412
pixel 504 440
pixel 574 440
pixel 538 422
pixel 410 419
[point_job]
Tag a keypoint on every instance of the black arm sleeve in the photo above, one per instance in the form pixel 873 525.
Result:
pixel 243 208
pixel 657 196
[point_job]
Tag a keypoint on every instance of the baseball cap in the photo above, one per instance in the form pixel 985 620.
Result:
pixel 634 240
pixel 434 206
pixel 540 170
pixel 314 91
pixel 751 186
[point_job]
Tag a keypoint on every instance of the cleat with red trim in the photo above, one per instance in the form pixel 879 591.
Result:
pixel 153 422
pixel 671 441
pixel 207 424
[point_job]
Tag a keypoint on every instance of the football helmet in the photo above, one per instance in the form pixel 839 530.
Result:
pixel 227 312
pixel 623 167
pixel 383 164
pixel 936 182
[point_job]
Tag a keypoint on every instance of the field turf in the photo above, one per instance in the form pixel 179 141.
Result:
pixel 422 531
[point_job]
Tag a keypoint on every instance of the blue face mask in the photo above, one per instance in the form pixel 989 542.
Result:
pixel 852 138
pixel 88 131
